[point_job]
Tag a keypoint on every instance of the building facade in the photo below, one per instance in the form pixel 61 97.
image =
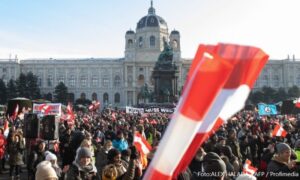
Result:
pixel 118 81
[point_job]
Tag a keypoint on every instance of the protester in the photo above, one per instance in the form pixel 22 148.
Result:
pixel 35 157
pixel 53 159
pixel 82 167
pixel 281 163
pixel 15 151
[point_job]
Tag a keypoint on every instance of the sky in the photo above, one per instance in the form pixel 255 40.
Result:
pixel 96 28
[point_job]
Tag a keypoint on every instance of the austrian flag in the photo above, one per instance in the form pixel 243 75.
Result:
pixel 217 86
pixel 248 169
pixel 141 144
pixel 279 131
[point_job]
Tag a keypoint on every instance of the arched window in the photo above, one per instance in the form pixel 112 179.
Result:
pixel 175 44
pixel 129 42
pixel 117 98
pixel 141 80
pixel 94 96
pixel 140 41
pixel 117 81
pixel 152 41
pixel 105 98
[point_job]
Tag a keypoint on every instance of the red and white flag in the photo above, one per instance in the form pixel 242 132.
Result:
pixel 16 112
pixel 94 106
pixel 5 129
pixel 141 144
pixel 209 75
pixel 279 131
pixel 45 108
pixel 297 104
pixel 113 116
pixel 97 105
pixel 248 169
pixel 70 114
pixel 91 107
pixel 232 98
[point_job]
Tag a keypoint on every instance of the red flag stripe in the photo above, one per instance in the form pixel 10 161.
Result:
pixel 211 71
pixel 209 78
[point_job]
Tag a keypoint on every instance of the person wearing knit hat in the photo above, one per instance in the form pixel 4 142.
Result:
pixel 82 167
pixel 45 171
pixel 50 157
pixel 281 162
pixel 213 166
pixel 53 159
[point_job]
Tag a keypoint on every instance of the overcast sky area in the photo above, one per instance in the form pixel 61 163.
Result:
pixel 96 28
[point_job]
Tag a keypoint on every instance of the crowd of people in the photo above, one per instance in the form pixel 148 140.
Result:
pixel 99 145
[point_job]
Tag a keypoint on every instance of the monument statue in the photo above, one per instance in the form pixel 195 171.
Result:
pixel 166 56
pixel 165 75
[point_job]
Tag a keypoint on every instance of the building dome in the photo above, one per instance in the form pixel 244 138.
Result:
pixel 151 20
pixel 175 32
pixel 130 32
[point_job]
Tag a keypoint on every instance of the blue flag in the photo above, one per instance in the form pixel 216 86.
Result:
pixel 266 109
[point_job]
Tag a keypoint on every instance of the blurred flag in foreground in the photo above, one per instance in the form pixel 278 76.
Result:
pixel 179 145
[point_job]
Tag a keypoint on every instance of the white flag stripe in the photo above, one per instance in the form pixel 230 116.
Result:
pixel 279 132
pixel 228 102
pixel 143 146
pixel 236 100
pixel 182 130
pixel 248 169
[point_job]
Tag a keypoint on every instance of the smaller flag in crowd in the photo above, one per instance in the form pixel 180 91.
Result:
pixel 141 144
pixel 143 147
pixel 248 169
pixel 279 131
pixel 297 104
pixel 6 129
pixel 94 106
pixel 266 109
pixel 16 112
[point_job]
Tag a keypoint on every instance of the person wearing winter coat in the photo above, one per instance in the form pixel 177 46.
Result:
pixel 15 151
pixel 116 167
pixel 53 160
pixel 281 166
pixel 82 168
pixel 2 150
pixel 120 143
pixel 101 155
pixel 35 157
